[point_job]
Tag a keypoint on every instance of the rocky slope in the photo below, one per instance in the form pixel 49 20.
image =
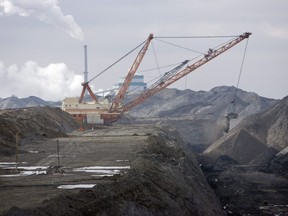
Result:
pixel 32 123
pixel 255 135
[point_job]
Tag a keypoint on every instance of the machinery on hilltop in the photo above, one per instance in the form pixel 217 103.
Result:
pixel 99 112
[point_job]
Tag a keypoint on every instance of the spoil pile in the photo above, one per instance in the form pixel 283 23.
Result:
pixel 32 124
pixel 259 133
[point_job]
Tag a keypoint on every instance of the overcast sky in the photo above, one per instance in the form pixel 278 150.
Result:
pixel 41 50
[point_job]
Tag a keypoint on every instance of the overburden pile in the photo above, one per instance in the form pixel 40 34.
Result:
pixel 32 124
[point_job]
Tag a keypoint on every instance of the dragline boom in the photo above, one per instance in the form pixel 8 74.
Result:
pixel 211 54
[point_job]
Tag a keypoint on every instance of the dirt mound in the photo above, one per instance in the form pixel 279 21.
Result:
pixel 240 146
pixel 31 124
pixel 255 136
pixel 163 180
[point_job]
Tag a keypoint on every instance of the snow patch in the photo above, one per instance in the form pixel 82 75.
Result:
pixel 27 173
pixel 102 170
pixel 76 186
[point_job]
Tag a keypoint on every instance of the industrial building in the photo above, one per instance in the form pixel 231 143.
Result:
pixel 137 84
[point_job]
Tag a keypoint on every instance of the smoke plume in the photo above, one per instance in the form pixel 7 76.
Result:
pixel 47 11
pixel 53 82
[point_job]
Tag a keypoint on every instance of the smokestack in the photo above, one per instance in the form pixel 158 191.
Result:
pixel 85 65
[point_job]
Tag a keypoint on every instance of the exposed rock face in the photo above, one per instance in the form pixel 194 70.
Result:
pixel 163 180
pixel 255 135
pixel 32 123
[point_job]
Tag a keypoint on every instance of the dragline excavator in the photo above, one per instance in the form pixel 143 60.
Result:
pixel 111 112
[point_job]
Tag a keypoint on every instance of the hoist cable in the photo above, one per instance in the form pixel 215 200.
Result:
pixel 239 76
pixel 241 68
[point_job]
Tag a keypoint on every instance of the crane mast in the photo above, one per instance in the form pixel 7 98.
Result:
pixel 123 89
pixel 211 54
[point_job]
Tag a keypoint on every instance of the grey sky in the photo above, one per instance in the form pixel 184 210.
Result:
pixel 41 55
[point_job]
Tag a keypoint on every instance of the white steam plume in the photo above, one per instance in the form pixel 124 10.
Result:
pixel 47 11
pixel 53 82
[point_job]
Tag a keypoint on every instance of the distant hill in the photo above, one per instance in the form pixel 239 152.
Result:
pixel 176 103
pixel 205 104
pixel 32 101
pixel 199 116
pixel 257 138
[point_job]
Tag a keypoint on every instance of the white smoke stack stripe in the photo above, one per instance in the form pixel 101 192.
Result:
pixel 47 11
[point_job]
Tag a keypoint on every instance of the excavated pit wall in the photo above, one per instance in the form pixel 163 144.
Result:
pixel 163 180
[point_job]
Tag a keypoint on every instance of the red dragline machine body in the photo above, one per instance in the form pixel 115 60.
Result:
pixel 107 112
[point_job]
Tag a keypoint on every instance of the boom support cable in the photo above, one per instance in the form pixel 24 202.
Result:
pixel 163 42
pixel 179 46
pixel 156 59
pixel 201 36
pixel 198 56
pixel 117 61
